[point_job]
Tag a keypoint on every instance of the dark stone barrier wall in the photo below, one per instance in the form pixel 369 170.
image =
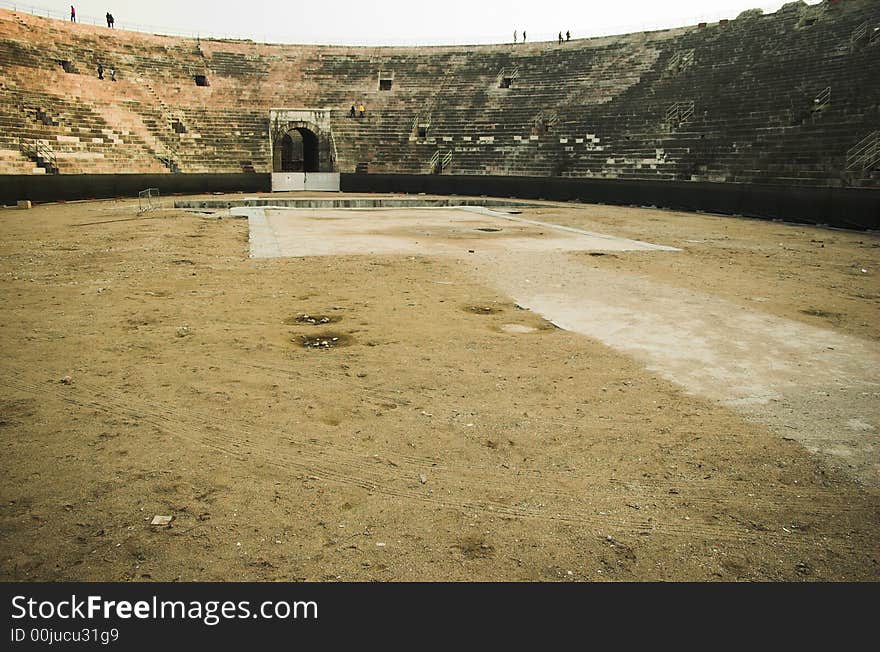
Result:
pixel 850 208
pixel 69 187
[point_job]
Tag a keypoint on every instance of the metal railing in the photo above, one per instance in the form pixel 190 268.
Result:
pixel 170 160
pixel 681 60
pixel 823 99
pixel 679 112
pixel 440 160
pixel 446 160
pixel 864 155
pixel 859 33
pixel 39 152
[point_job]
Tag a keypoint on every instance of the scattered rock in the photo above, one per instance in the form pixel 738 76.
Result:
pixel 423 478
pixel 66 380
pixel 482 310
pixel 324 340
pixel 815 312
pixel 475 548
pixel 183 331
pixel 161 520
pixel 314 320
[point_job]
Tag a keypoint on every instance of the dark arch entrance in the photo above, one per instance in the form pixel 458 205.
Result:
pixel 299 151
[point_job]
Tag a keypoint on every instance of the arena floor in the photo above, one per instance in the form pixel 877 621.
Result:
pixel 563 393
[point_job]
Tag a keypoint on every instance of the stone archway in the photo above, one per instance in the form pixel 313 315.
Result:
pixel 297 151
pixel 302 148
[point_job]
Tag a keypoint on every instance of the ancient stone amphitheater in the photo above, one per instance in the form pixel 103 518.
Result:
pixel 454 380
pixel 771 115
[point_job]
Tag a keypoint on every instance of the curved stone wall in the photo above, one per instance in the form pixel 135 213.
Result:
pixel 777 99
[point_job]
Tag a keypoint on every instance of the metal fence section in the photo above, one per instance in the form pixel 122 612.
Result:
pixel 149 200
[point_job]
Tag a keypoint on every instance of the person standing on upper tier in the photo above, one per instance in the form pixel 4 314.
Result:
pixel 72 14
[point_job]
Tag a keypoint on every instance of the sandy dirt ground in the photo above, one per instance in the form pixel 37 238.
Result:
pixel 150 367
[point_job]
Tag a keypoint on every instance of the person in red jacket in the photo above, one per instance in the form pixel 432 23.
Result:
pixel 72 14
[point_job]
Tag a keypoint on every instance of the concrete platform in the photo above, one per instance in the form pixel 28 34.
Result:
pixel 811 384
pixel 353 202
pixel 286 232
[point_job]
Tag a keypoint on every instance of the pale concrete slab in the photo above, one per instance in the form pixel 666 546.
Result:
pixel 811 384
pixel 807 383
pixel 422 231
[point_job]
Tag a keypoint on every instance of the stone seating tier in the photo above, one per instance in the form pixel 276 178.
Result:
pixel 594 108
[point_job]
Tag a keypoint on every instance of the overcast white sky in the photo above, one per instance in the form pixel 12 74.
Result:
pixel 400 22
